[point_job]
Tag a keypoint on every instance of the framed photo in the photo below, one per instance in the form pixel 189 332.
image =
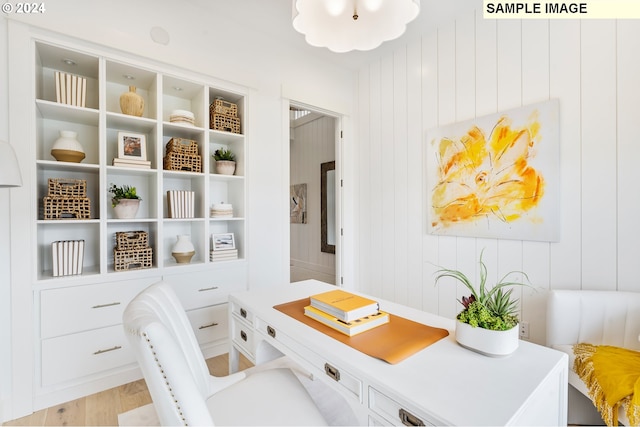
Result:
pixel 132 146
pixel 223 241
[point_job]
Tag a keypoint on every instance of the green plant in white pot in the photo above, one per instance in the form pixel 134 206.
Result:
pixel 125 201
pixel 225 161
pixel 489 322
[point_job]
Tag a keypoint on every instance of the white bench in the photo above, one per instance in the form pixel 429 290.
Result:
pixel 595 317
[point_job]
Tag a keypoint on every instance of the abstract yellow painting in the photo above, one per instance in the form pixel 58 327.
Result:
pixel 496 176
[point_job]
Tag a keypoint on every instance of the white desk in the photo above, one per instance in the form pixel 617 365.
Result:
pixel 444 384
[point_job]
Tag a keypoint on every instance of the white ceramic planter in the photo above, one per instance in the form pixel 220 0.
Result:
pixel 487 342
pixel 225 167
pixel 127 208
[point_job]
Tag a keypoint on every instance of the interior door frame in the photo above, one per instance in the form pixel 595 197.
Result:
pixel 339 120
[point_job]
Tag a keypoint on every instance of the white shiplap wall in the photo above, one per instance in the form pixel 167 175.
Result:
pixel 313 143
pixel 471 67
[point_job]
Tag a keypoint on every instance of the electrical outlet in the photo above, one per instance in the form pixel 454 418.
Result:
pixel 524 329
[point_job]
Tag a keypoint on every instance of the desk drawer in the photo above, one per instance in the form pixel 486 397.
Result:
pixel 394 412
pixel 210 323
pixel 242 312
pixel 324 367
pixel 81 308
pixel 242 335
pixel 205 288
pixel 75 356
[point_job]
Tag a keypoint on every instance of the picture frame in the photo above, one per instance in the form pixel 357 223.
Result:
pixel 223 242
pixel 132 146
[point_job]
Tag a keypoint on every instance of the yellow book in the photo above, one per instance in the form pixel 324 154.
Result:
pixel 344 305
pixel 351 328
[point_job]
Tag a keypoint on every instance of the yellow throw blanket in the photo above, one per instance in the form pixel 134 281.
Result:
pixel 612 375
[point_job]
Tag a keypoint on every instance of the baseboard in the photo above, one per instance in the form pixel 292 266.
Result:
pixel 301 270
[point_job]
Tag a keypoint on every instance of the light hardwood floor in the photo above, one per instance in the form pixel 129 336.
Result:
pixel 102 409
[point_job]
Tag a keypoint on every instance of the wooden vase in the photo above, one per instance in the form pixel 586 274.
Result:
pixel 131 103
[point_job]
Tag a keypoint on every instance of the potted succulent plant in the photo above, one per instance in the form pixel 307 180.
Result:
pixel 125 201
pixel 488 323
pixel 225 161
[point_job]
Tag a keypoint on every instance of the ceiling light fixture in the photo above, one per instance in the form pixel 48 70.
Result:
pixel 345 25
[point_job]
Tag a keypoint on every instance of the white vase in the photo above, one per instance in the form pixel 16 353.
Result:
pixel 225 167
pixel 487 342
pixel 127 208
pixel 183 249
pixel 67 148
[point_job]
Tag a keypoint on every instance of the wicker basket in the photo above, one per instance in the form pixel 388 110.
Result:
pixel 126 240
pixel 132 259
pixel 67 187
pixel 61 207
pixel 225 123
pixel 183 162
pixel 181 145
pixel 226 108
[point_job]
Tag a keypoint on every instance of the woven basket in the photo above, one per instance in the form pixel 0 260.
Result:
pixel 183 162
pixel 226 108
pixel 61 207
pixel 225 123
pixel 126 240
pixel 67 187
pixel 181 145
pixel 132 259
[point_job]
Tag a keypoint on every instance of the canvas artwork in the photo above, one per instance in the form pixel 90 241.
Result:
pixel 496 176
pixel 298 204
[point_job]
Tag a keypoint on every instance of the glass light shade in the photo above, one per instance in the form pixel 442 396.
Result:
pixel 345 25
pixel 9 169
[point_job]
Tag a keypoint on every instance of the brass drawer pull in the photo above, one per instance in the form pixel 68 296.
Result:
pixel 271 332
pixel 213 288
pixel 118 347
pixel 243 335
pixel 332 372
pixel 409 419
pixel 111 304
pixel 208 326
pixel 243 313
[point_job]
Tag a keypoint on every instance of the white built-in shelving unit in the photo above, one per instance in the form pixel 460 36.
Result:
pixel 80 345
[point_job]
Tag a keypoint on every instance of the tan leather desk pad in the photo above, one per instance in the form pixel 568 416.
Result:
pixel 392 342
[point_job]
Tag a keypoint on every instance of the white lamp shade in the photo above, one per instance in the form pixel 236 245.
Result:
pixel 331 23
pixel 9 169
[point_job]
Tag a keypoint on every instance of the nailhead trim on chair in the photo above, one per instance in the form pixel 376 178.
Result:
pixel 184 421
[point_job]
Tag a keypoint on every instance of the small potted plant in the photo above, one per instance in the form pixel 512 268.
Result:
pixel 125 201
pixel 225 161
pixel 488 323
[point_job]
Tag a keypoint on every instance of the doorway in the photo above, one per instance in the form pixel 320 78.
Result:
pixel 314 202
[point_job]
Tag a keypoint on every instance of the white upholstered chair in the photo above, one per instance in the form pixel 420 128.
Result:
pixel 183 391
pixel 594 317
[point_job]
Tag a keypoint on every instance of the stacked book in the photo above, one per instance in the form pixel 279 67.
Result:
pixel 346 312
pixel 180 203
pixel 182 117
pixel 132 163
pixel 226 255
pixel 68 256
pixel 221 210
pixel 70 89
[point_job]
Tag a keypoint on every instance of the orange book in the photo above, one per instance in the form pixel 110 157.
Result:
pixel 344 305
pixel 351 328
